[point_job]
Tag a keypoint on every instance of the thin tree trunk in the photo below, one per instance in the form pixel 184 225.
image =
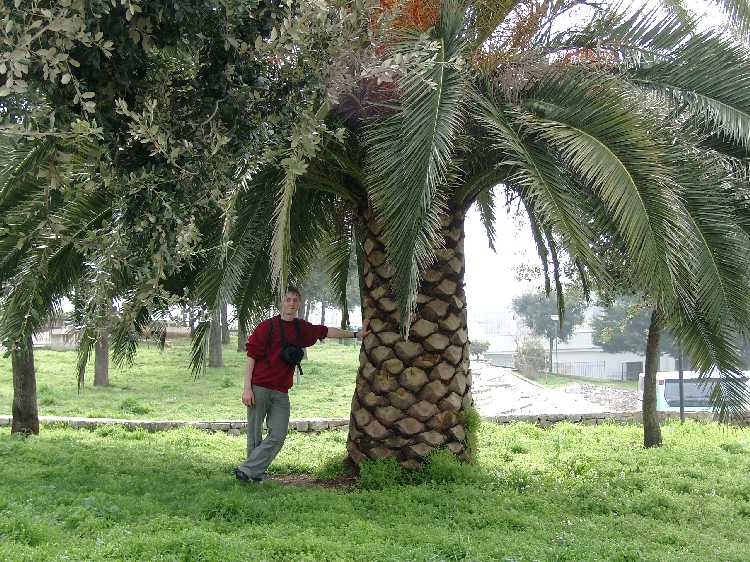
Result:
pixel 322 313
pixel 224 324
pixel 77 307
pixel 241 337
pixel 651 429
pixel 307 310
pixel 101 360
pixel 25 412
pixel 412 395
pixel 215 358
pixel 191 321
pixel 681 376
pixel 344 318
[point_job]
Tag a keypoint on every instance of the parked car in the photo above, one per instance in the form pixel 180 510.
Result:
pixel 697 390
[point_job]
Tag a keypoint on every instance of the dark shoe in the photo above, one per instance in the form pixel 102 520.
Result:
pixel 245 478
pixel 241 475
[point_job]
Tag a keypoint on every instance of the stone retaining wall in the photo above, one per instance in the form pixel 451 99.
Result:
pixel 237 427
pixel 232 427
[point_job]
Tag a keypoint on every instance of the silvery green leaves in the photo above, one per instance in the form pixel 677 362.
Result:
pixel 410 153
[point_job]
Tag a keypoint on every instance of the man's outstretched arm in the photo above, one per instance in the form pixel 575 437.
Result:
pixel 338 333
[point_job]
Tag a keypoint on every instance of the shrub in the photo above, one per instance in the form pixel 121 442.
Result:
pixel 530 358
pixel 380 473
pixel 442 467
pixel 479 347
pixel 134 406
pixel 472 420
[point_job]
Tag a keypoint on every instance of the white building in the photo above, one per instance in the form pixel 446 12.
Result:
pixel 577 357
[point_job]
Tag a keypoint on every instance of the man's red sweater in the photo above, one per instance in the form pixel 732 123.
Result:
pixel 270 370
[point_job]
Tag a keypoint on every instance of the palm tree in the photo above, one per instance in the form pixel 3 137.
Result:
pixel 599 129
pixel 622 133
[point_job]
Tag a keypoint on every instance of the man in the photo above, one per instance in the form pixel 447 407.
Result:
pixel 269 378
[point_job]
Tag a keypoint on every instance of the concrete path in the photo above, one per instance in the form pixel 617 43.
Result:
pixel 498 391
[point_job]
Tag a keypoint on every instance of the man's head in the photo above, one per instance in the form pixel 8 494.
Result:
pixel 291 301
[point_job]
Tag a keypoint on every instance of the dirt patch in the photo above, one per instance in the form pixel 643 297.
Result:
pixel 307 480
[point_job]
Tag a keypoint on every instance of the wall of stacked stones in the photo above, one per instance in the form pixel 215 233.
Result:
pixel 237 427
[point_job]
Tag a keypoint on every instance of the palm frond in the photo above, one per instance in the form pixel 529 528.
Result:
pixel 337 257
pixel 294 167
pixel 19 163
pixel 541 247
pixel 625 36
pixel 486 203
pixel 709 77
pixel 599 133
pixel 738 13
pixel 539 180
pixel 409 154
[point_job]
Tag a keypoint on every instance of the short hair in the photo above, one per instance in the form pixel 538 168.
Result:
pixel 293 289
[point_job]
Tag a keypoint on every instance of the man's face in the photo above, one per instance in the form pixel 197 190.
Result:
pixel 291 304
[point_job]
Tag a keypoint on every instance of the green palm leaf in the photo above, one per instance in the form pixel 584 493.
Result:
pixel 600 134
pixel 708 76
pixel 537 177
pixel 409 154
pixel 486 204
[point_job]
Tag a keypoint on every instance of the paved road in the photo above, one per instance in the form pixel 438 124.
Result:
pixel 497 391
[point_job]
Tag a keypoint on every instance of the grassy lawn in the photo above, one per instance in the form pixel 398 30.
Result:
pixel 560 381
pixel 160 385
pixel 565 493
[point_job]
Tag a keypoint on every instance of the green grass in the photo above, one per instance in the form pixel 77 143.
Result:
pixel 566 493
pixel 561 381
pixel 160 386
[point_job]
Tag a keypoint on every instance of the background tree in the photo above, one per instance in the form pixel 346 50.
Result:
pixel 224 323
pixel 158 135
pixel 623 325
pixel 541 314
pixel 530 357
pixel 215 352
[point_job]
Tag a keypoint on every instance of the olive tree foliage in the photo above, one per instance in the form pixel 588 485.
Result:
pixel 130 129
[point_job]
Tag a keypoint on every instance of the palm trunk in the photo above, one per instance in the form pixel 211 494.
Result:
pixel 651 429
pixel 241 337
pixel 101 360
pixel 322 313
pixel 25 412
pixel 215 358
pixel 412 396
pixel 224 324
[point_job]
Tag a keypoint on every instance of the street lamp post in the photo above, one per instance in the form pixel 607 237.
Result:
pixel 555 319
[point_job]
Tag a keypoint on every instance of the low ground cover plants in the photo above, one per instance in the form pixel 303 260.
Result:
pixel 564 493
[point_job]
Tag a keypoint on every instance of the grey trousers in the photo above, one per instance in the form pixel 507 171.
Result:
pixel 272 407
